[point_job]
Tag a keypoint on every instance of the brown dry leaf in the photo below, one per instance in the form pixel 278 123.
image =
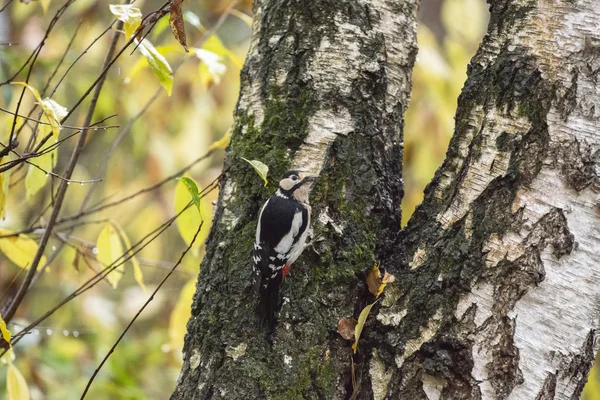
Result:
pixel 346 328
pixel 176 22
pixel 376 282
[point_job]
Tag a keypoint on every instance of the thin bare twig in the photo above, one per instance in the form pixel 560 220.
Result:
pixel 114 346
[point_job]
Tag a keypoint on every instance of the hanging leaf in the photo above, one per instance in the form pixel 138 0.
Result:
pixel 16 387
pixel 193 20
pixel 214 45
pixel 53 111
pixel 158 64
pixel 36 177
pixel 19 249
pixel 137 271
pixel 190 219
pixel 221 143
pixel 45 5
pixel 180 315
pixel 5 333
pixel 261 169
pixel 4 180
pixel 109 250
pixel 211 67
pixel 192 188
pixel 130 15
pixel 176 22
pixel 362 318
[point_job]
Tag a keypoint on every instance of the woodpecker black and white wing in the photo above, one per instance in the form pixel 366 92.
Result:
pixel 282 221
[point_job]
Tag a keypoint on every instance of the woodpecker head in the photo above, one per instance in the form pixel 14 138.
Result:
pixel 296 184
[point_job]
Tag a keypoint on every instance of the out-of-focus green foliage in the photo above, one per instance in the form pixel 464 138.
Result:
pixel 157 135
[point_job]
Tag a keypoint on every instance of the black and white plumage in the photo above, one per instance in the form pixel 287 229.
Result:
pixel 283 226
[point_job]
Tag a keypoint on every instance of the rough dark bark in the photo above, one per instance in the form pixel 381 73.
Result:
pixel 324 88
pixel 496 292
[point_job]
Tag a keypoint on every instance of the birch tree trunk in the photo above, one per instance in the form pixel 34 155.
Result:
pixel 498 270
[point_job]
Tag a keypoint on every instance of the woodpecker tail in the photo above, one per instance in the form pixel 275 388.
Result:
pixel 268 303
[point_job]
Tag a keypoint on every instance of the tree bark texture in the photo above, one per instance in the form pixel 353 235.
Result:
pixel 498 296
pixel 497 272
pixel 323 89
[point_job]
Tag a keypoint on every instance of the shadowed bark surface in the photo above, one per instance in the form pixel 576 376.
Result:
pixel 496 292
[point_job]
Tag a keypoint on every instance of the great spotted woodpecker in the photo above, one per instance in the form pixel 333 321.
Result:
pixel 283 226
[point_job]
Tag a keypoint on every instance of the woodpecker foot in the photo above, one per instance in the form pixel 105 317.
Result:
pixel 285 271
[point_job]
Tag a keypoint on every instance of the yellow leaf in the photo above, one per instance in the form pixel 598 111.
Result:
pixel 130 15
pixel 4 180
pixel 376 283
pixel 212 67
pixel 214 45
pixel 53 111
pixel 4 330
pixel 181 314
pixel 36 177
pixel 109 250
pixel 221 143
pixel 45 5
pixel 16 387
pixel 158 63
pixel 137 271
pixel 19 249
pixel 261 169
pixel 362 318
pixel 188 221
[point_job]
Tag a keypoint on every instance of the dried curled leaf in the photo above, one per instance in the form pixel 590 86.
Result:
pixel 176 22
pixel 346 327
pixel 376 281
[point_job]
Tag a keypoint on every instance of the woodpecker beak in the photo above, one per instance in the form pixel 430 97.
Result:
pixel 309 178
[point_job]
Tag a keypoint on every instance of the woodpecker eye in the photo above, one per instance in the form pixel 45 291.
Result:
pixel 294 177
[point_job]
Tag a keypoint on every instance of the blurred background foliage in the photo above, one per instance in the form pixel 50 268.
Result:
pixel 157 136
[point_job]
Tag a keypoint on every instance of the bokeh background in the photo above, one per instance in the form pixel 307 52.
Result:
pixel 158 135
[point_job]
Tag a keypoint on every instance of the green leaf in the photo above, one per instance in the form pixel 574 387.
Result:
pixel 158 64
pixel 190 219
pixel 16 387
pixel 4 330
pixel 137 271
pixel 110 249
pixel 19 249
pixel 362 318
pixel 129 14
pixel 261 169
pixel 192 188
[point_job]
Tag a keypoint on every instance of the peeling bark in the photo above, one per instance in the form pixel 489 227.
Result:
pixel 496 293
pixel 505 245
